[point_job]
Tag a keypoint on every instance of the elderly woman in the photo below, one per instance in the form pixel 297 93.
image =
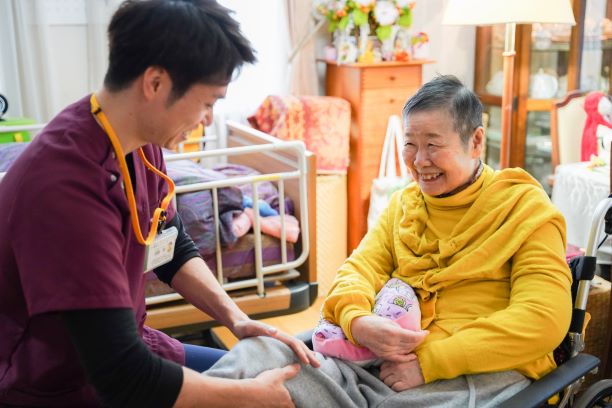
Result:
pixel 484 252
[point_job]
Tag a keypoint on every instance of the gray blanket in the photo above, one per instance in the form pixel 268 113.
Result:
pixel 341 384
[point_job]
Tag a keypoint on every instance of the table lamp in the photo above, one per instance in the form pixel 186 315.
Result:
pixel 509 12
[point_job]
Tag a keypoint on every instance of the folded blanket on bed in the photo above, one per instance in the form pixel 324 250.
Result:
pixel 272 226
pixel 197 210
pixel 266 190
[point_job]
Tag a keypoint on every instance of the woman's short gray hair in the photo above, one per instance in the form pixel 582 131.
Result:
pixel 447 92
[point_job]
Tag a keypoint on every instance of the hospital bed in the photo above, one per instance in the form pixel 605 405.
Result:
pixel 275 286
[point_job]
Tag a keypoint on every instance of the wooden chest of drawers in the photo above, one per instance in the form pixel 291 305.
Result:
pixel 375 91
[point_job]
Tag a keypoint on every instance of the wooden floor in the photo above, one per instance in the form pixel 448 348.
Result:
pixel 290 324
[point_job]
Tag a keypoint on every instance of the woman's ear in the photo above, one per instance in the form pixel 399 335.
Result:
pixel 477 142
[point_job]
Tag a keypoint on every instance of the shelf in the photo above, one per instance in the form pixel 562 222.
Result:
pixel 554 47
pixel 537 146
pixel 533 104
pixel 539 104
pixel 604 44
pixel 489 99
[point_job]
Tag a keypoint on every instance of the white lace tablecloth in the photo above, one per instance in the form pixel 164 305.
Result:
pixel 576 192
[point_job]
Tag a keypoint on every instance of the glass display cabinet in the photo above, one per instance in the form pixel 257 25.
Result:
pixel 551 59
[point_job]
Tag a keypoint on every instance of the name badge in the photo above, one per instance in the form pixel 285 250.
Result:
pixel 161 250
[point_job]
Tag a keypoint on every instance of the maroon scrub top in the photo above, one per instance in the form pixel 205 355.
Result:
pixel 66 242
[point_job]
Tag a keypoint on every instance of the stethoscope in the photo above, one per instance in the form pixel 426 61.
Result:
pixel 159 215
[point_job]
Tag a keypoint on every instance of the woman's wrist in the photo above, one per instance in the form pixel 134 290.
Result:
pixel 358 325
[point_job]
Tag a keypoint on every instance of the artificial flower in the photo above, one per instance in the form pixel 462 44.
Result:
pixel 364 3
pixel 385 13
pixel 338 5
pixel 420 38
pixel 361 11
pixel 403 4
pixel 320 6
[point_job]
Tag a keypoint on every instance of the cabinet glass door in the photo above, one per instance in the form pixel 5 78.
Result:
pixel 488 85
pixel 561 58
pixel 549 62
pixel 595 73
pixel 490 78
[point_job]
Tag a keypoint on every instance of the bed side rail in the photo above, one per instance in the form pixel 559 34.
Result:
pixel 296 170
pixel 241 135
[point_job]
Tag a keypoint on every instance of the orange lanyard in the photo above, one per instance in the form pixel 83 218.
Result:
pixel 159 215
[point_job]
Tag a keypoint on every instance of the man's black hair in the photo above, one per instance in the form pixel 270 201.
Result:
pixel 448 93
pixel 195 41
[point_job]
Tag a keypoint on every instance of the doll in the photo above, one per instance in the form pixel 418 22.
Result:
pixel 597 128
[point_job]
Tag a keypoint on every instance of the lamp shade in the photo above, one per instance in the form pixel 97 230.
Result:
pixel 486 12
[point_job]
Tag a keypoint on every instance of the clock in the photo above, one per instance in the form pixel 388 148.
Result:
pixel 3 105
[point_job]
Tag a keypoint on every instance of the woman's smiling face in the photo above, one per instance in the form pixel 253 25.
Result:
pixel 434 153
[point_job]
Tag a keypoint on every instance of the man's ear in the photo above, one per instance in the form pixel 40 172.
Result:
pixel 477 142
pixel 154 80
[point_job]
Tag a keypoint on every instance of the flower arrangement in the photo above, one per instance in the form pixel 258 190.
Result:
pixel 358 18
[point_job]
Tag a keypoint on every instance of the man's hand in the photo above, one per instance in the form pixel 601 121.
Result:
pixel 269 389
pixel 199 287
pixel 266 390
pixel 386 338
pixel 252 328
pixel 402 376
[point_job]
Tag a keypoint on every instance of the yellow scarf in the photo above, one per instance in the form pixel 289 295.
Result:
pixel 506 208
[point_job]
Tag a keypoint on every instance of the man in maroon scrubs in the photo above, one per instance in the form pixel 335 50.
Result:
pixel 72 305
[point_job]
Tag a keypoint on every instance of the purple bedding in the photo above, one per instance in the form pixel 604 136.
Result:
pixel 239 260
pixel 266 190
pixel 196 209
pixel 9 153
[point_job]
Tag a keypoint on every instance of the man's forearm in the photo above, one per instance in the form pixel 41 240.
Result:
pixel 197 284
pixel 199 390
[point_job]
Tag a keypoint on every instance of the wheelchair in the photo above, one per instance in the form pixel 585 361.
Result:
pixel 567 379
pixel 573 365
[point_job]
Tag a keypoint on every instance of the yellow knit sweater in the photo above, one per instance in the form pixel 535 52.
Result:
pixel 487 265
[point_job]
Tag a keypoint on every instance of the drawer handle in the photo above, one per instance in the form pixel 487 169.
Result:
pixel 391 100
pixel 392 78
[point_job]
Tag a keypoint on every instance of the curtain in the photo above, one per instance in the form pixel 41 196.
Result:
pixel 34 74
pixel 303 74
pixel 37 34
pixel 98 13
pixel 8 53
pixel 41 74
pixel 263 23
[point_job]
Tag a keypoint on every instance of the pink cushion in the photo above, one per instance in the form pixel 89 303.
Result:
pixel 322 122
pixel 396 301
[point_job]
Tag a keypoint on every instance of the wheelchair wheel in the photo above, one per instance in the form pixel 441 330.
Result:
pixel 598 395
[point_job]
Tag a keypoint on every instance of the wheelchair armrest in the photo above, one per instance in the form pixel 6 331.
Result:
pixel 541 390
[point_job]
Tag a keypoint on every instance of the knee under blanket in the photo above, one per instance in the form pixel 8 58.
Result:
pixel 342 384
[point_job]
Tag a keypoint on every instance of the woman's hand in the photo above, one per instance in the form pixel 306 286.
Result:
pixel 402 376
pixel 269 389
pixel 253 328
pixel 386 338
